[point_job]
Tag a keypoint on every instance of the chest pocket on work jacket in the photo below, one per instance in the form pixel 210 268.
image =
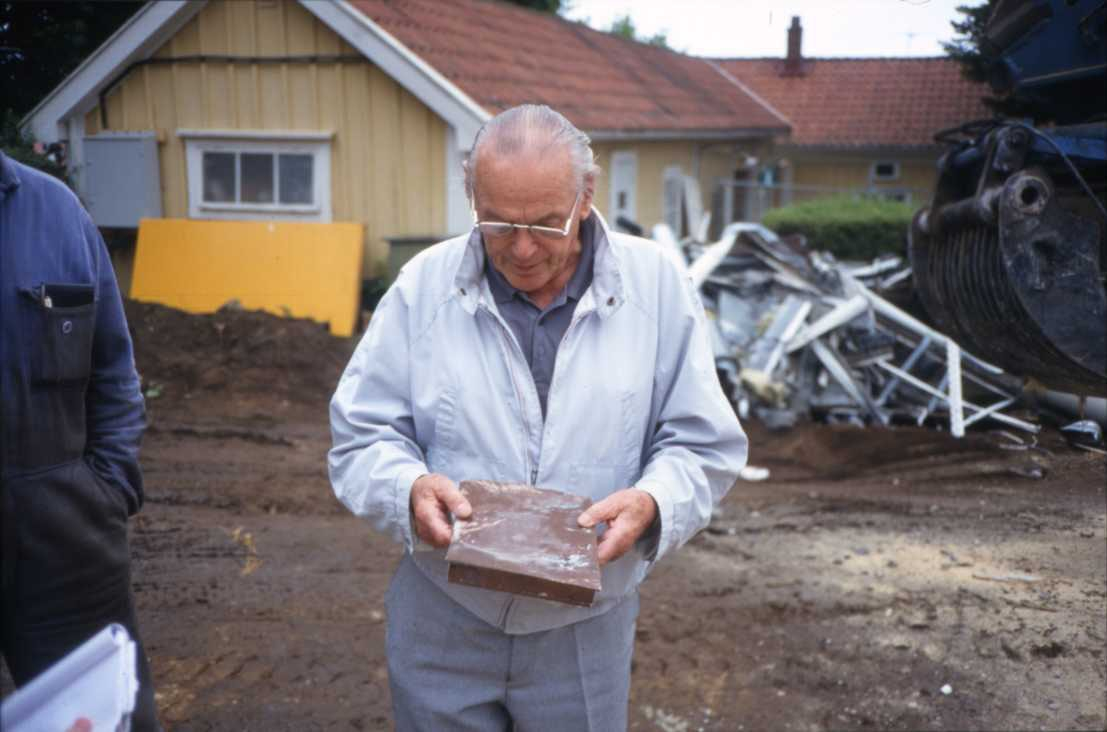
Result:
pixel 60 337
pixel 66 318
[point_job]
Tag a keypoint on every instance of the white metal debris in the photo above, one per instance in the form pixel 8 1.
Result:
pixel 795 331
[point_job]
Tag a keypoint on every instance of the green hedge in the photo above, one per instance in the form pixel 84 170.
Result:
pixel 847 227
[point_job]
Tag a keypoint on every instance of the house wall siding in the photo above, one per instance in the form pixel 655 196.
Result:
pixel 711 160
pixel 388 153
pixel 852 171
pixel 653 158
pixel 720 160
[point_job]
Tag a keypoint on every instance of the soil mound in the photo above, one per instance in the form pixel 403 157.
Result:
pixel 234 353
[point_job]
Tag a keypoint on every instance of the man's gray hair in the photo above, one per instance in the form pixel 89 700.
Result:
pixel 534 127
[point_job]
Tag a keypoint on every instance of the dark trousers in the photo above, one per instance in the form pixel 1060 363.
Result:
pixel 66 573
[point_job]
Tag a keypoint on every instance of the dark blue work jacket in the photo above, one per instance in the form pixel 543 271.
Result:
pixel 71 396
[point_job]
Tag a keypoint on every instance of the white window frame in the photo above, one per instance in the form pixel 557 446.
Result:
pixel 884 178
pixel 316 144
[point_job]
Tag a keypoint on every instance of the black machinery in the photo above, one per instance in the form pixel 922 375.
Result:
pixel 1010 256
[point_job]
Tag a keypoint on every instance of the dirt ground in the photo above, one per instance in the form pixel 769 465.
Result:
pixel 880 579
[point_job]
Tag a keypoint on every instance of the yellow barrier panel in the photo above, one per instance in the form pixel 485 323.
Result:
pixel 286 268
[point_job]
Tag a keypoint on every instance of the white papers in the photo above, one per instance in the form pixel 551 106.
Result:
pixel 96 681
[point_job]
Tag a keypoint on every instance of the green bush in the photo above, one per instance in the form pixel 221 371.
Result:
pixel 19 146
pixel 847 227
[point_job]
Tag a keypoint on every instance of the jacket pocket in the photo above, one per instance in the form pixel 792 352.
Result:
pixel 117 502
pixel 66 325
pixel 75 536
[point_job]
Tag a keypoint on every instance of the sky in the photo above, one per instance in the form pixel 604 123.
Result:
pixel 727 28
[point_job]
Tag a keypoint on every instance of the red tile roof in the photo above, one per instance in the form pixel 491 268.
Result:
pixel 503 55
pixel 870 102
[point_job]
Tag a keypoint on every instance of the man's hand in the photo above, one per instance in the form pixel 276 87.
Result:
pixel 628 514
pixel 433 498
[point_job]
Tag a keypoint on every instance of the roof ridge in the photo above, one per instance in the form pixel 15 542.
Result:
pixel 748 91
pixel 578 29
pixel 574 24
pixel 830 58
pixel 611 34
pixel 581 29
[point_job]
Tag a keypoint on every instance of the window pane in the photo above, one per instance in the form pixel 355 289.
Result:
pixel 296 178
pixel 885 170
pixel 219 183
pixel 257 178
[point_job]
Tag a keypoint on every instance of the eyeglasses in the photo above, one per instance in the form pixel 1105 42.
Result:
pixel 502 229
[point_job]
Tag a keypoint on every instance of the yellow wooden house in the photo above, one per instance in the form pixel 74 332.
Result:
pixel 361 111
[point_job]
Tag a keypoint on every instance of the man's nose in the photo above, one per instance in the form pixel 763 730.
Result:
pixel 524 244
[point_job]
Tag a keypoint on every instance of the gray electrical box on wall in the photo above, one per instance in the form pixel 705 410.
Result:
pixel 121 178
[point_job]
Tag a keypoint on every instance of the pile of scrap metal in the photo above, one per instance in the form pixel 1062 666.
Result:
pixel 796 332
pixel 1008 258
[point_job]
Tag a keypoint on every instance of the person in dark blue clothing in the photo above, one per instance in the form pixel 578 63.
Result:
pixel 70 428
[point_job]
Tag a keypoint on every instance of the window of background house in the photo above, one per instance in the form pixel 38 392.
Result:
pixel 258 178
pixel 883 170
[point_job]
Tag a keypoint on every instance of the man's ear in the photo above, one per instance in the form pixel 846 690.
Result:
pixel 586 200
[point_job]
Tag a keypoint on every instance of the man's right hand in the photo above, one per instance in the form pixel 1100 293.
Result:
pixel 433 498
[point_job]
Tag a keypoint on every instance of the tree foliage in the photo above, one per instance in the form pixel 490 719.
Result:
pixel 623 25
pixel 971 49
pixel 42 42
pixel 19 146
pixel 545 6
pixel 965 48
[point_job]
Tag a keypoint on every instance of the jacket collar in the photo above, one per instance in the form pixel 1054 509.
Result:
pixel 605 295
pixel 9 176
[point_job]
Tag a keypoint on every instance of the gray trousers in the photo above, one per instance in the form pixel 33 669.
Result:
pixel 450 670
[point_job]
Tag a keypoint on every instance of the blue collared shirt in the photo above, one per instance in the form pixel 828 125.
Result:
pixel 539 331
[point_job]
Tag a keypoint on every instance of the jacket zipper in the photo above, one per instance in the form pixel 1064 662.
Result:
pixel 510 603
pixel 533 472
pixel 557 363
pixel 564 337
pixel 507 610
pixel 502 622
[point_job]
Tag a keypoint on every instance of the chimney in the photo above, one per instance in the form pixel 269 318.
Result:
pixel 793 64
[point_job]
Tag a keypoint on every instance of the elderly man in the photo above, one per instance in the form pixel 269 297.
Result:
pixel 540 348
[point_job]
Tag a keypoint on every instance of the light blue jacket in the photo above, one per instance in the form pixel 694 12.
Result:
pixel 439 384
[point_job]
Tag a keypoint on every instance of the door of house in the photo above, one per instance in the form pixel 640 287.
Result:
pixel 624 178
pixel 742 200
pixel 672 199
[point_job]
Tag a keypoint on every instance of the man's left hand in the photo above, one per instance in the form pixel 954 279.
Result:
pixel 628 514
